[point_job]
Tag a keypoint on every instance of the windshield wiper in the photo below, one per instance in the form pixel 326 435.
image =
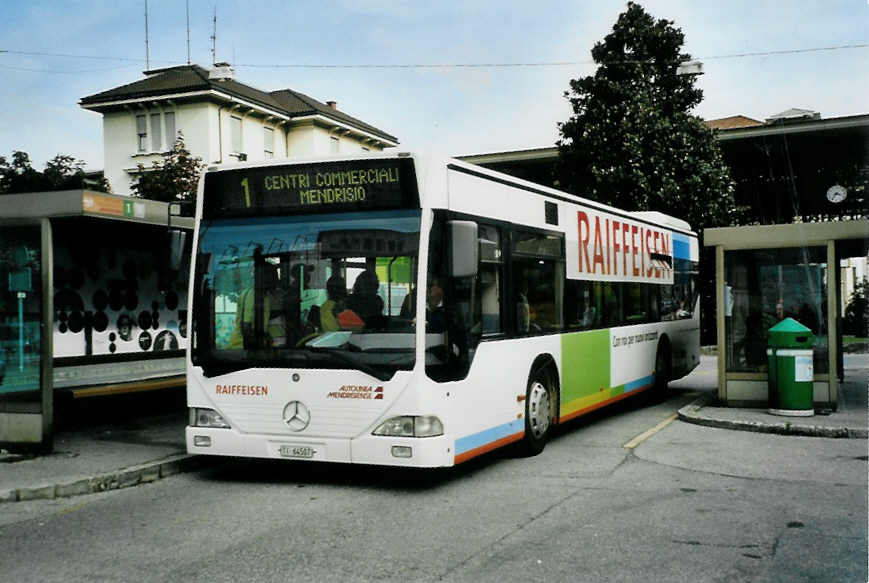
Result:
pixel 364 367
pixel 215 366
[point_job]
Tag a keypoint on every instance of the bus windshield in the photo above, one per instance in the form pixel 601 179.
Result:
pixel 315 291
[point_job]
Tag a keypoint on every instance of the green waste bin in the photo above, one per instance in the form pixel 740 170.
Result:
pixel 791 369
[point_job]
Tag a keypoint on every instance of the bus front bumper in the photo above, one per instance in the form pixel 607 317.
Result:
pixel 424 452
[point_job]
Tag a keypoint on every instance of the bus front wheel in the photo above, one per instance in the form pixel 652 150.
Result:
pixel 540 406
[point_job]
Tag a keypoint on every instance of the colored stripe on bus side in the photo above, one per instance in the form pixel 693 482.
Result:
pixel 488 439
pixel 585 405
pixel 639 383
pixel 681 246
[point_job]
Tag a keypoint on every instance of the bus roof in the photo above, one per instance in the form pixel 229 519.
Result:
pixel 654 217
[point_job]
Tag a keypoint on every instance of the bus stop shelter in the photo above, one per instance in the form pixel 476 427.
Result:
pixel 765 273
pixel 93 301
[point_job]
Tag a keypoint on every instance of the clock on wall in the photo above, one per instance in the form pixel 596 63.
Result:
pixel 836 193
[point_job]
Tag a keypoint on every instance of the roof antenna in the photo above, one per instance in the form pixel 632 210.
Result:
pixel 147 51
pixel 214 38
pixel 187 3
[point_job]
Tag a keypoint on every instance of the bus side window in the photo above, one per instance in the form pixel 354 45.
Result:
pixel 489 281
pixel 678 300
pixel 635 307
pixel 612 304
pixel 583 304
pixel 653 302
pixel 538 274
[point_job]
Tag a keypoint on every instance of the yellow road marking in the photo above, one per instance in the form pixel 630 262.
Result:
pixel 650 432
pixel 74 508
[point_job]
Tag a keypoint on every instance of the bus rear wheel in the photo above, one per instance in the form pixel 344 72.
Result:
pixel 540 406
pixel 663 368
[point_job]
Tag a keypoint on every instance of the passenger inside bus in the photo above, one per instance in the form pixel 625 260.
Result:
pixel 336 290
pixel 364 301
pixel 523 312
pixel 244 328
pixel 589 317
pixel 435 317
pixel 408 306
pixel 445 318
pixel 290 295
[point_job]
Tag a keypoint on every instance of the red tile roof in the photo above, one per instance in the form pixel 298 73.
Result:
pixel 734 121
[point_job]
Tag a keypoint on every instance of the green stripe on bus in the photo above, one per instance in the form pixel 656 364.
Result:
pixel 585 366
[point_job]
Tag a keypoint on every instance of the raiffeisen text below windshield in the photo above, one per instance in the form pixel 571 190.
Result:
pixel 322 187
pixel 314 291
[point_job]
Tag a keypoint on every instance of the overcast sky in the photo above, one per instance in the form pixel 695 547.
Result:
pixel 458 110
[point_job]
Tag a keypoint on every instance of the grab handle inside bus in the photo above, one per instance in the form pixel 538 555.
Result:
pixel 464 248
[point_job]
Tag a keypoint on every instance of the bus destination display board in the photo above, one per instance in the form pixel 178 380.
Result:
pixel 325 187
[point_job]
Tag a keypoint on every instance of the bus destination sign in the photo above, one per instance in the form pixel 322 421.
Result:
pixel 324 187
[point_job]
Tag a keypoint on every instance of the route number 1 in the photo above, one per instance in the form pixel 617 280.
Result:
pixel 244 185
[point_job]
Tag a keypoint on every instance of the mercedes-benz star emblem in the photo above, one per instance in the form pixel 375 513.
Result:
pixel 296 415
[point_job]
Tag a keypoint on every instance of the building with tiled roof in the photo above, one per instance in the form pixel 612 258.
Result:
pixel 221 119
pixel 734 121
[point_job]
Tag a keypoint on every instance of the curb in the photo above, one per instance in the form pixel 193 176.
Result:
pixel 123 478
pixel 691 414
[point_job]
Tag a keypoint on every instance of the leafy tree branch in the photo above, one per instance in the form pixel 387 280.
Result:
pixel 173 178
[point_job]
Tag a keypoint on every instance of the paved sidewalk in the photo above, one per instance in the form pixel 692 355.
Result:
pixel 850 420
pixel 97 456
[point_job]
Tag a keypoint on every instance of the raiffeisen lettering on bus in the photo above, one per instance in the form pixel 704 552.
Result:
pixel 614 248
pixel 251 390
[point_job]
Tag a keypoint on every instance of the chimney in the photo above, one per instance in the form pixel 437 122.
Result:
pixel 332 104
pixel 221 72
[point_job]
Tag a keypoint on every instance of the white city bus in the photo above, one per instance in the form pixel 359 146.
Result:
pixel 412 311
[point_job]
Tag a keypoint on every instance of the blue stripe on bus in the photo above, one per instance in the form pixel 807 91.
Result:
pixel 486 436
pixel 639 383
pixel 681 246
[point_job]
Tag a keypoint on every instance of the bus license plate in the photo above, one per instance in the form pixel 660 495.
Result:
pixel 300 451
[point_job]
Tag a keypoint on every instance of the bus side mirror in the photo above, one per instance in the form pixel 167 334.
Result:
pixel 464 248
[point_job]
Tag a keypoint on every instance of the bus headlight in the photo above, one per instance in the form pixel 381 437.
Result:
pixel 207 418
pixel 411 426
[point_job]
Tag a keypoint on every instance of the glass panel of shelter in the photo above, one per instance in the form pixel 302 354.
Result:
pixel 764 286
pixel 20 314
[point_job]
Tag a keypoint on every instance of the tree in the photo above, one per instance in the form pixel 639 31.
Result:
pixel 61 173
pixel 174 178
pixel 632 141
pixel 856 319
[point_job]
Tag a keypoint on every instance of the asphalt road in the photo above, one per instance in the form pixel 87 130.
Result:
pixel 683 503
